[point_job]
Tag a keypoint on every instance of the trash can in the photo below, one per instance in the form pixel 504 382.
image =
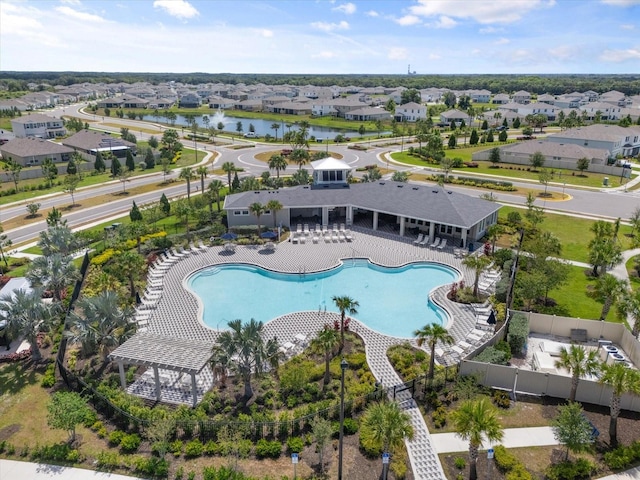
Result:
pixel 605 182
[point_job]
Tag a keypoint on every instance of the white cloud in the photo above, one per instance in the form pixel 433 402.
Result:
pixel 621 3
pixel 324 55
pixel 617 56
pixel 372 13
pixel 444 22
pixel 407 20
pixel 177 8
pixel 397 53
pixel 346 8
pixel 627 26
pixel 330 27
pixel 502 41
pixel 82 16
pixel 497 11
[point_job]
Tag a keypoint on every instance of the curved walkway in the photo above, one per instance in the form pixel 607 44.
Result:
pixel 178 311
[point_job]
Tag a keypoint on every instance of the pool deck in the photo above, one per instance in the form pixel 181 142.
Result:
pixel 177 311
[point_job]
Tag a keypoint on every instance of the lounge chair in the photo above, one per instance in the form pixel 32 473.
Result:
pixel 442 244
pixel 435 243
pixel 419 239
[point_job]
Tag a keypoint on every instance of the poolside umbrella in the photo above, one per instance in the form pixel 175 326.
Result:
pixel 228 236
pixel 269 234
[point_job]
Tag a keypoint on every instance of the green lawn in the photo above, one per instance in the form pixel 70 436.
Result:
pixel 574 233
pixel 511 171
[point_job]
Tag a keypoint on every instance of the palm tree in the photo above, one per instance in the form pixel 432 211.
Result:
pixel 326 340
pixel 130 265
pixel 275 206
pixel 28 316
pixel 345 305
pixel 257 209
pixel 607 290
pixel 275 127
pixel 244 343
pixel 277 162
pixel 477 263
pixel 621 379
pixel 54 273
pixel 579 363
pixel 215 187
pixel 102 325
pixel 432 334
pixel 475 421
pixel 388 425
pixel 187 174
pixel 202 171
pixel 228 168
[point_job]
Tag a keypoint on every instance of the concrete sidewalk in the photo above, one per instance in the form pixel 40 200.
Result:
pixel 12 470
pixel 513 438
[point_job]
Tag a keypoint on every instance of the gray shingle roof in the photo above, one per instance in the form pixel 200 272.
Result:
pixel 423 202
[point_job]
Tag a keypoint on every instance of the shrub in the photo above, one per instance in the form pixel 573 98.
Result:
pixel 268 449
pixel 518 333
pixel 295 444
pixel 501 399
pixel 460 463
pixel 581 468
pixel 350 426
pixel 130 443
pixel 194 448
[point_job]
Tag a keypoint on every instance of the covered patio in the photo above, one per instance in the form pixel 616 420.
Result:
pixel 178 368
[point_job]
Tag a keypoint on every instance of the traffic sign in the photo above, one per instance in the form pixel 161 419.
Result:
pixel 385 458
pixel 490 453
pixel 294 458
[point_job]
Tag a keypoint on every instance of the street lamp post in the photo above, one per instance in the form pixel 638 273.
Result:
pixel 343 367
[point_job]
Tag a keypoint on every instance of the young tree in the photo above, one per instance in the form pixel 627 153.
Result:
pixel 494 156
pixel 583 165
pixel 431 334
pixel 165 206
pixel 387 425
pixel 474 421
pixel 537 160
pixel 134 214
pixel 572 429
pixel 70 185
pixel 579 363
pixel 621 379
pixel 67 410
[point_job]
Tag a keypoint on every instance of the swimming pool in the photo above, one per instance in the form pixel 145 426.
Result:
pixel 393 301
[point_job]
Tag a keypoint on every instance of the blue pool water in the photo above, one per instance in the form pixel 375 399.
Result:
pixel 393 301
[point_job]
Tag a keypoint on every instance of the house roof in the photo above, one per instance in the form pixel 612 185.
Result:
pixel 423 202
pixel 31 146
pixel 35 117
pixel 90 140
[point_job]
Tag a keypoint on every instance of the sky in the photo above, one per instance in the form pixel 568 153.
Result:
pixel 321 36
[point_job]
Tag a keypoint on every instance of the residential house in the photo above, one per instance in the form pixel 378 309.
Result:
pixel 38 125
pixel 410 112
pixel 521 96
pixel 32 151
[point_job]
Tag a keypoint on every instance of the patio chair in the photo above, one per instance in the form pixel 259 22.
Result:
pixel 442 244
pixel 419 239
pixel 435 243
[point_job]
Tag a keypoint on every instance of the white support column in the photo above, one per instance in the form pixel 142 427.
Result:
pixel 325 216
pixel 123 378
pixel 432 231
pixel 375 220
pixel 156 378
pixel 194 390
pixel 402 225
